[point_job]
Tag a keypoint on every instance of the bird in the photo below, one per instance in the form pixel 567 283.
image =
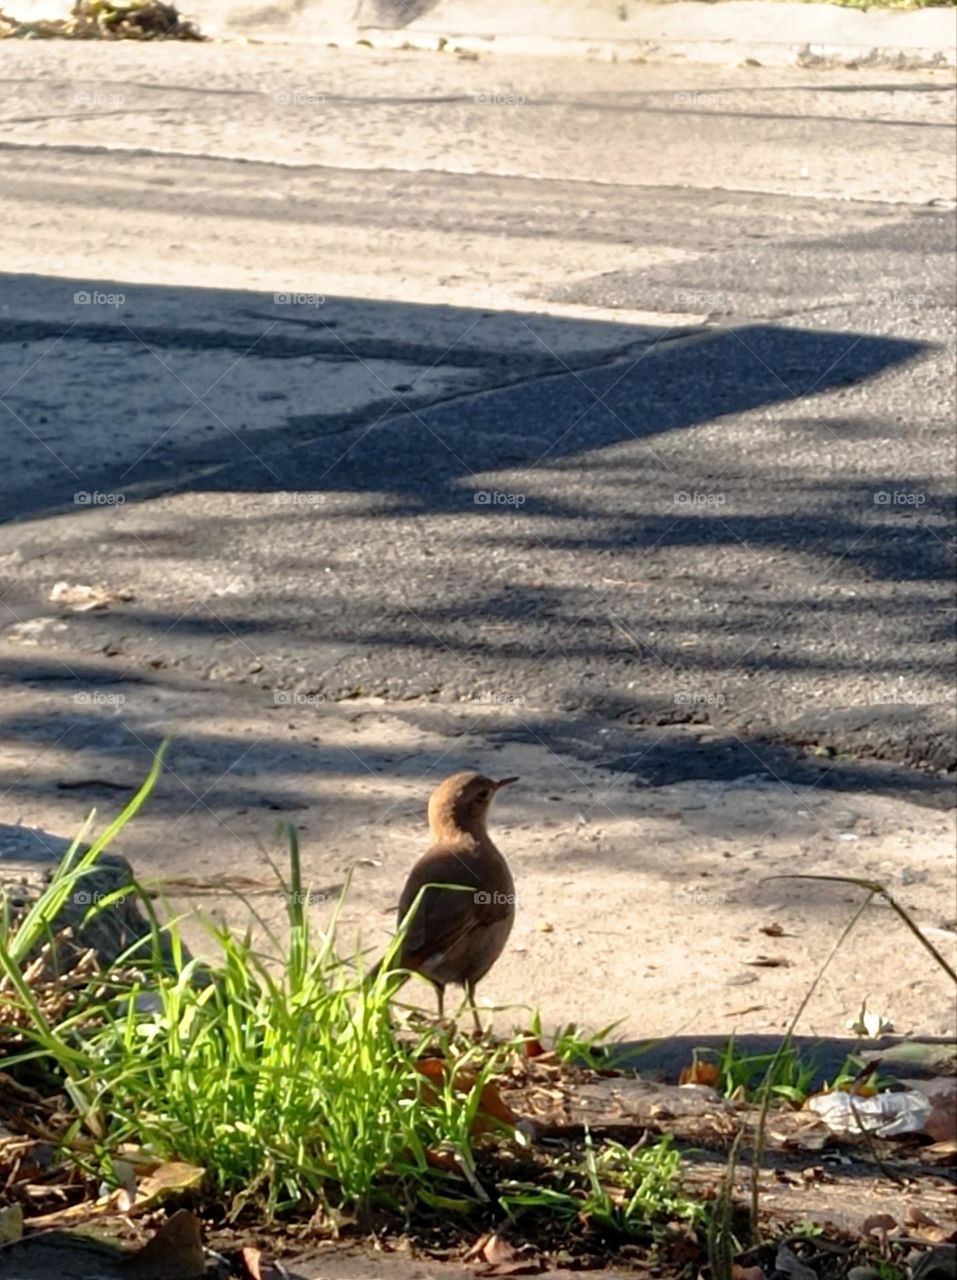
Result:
pixel 455 935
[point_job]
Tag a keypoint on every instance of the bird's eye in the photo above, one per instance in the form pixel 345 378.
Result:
pixel 484 794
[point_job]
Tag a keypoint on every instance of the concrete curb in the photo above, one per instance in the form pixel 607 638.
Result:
pixel 766 31
pixel 775 34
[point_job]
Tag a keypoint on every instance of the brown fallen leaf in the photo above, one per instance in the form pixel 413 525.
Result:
pixel 878 1222
pixel 799 1131
pixel 532 1047
pixel 444 1160
pixel 494 1256
pixel 477 1248
pixel 249 1257
pixel 941 1124
pixel 940 1152
pixel 739 1013
pixel 773 930
pixel 769 962
pixel 497 1251
pixel 491 1102
pixel 700 1073
pixel 922 1225
pixel 174 1253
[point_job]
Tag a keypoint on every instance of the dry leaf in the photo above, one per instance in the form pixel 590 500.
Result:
pixel 169 1177
pixel 921 1224
pixel 496 1257
pixel 497 1251
pixel 81 597
pixel 491 1102
pixel 477 1249
pixel 869 1024
pixel 773 930
pixel 700 1073
pixel 444 1160
pixel 940 1152
pixel 249 1257
pixel 799 1130
pixel 880 1222
pixel 174 1253
pixel 82 1212
pixel 11 1223
pixel 941 1124
pixel 532 1047
pixel 769 962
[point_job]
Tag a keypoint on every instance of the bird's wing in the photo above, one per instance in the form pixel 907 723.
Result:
pixel 444 915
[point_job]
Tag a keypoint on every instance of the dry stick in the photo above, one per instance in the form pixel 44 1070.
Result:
pixel 720 1226
pixel 766 1100
pixel 869 1143
pixel 872 887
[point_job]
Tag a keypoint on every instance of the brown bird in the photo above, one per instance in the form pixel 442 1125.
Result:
pixel 456 935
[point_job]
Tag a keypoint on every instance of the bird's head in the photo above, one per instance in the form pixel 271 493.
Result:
pixel 461 802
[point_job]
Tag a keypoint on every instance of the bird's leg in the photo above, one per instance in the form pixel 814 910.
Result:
pixel 440 995
pixel 470 998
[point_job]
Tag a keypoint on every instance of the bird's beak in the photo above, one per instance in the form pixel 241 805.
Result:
pixel 504 782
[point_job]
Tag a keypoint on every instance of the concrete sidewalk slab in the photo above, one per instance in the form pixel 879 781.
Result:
pixel 774 34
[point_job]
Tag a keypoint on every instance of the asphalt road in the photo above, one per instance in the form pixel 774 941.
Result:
pixel 620 397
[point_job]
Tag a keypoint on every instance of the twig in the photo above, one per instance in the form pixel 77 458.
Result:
pixel 782 1049
pixel 869 1143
